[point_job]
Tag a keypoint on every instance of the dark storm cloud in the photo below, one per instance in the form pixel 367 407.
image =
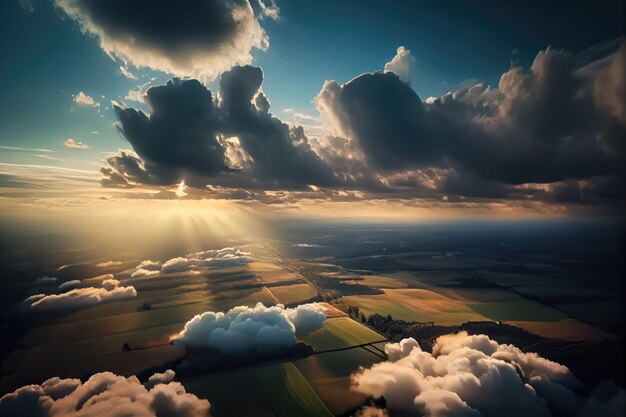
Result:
pixel 554 122
pixel 279 152
pixel 386 117
pixel 551 133
pixel 186 136
pixel 541 125
pixel 181 132
pixel 199 38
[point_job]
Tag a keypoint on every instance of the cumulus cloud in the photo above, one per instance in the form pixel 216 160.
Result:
pixel 201 39
pixel 72 144
pixel 105 395
pixel 161 378
pixel 191 135
pixel 204 260
pixel 280 153
pixel 555 123
pixel 147 268
pixel 180 133
pixel 549 133
pixel 82 99
pixel 78 297
pixel 471 375
pixel 256 329
pixel 401 64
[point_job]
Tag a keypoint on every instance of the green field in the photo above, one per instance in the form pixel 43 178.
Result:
pixel 277 390
pixel 329 374
pixel 236 393
pixel 290 392
pixel 517 310
pixel 341 332
pixel 294 294
pixel 413 304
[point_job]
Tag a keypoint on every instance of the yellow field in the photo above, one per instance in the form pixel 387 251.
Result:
pixel 413 305
pixel 292 294
pixel 341 332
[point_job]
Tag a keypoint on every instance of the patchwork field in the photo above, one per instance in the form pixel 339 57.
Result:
pixel 132 336
pixel 340 333
pixel 329 374
pixel 413 305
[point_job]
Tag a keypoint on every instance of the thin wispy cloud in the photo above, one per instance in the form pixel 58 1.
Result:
pixel 23 149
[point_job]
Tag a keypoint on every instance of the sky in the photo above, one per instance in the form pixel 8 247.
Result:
pixel 421 105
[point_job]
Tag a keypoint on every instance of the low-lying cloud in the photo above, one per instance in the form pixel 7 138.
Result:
pixel 71 297
pixel 256 329
pixel 104 395
pixel 193 262
pixel 472 375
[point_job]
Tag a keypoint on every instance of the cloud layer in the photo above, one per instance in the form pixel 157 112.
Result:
pixel 75 298
pixel 104 395
pixel 199 39
pixel 550 133
pixel 193 262
pixel 256 329
pixel 474 376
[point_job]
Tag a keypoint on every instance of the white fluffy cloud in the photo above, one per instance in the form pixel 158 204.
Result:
pixel 104 395
pixel 161 378
pixel 401 64
pixel 193 262
pixel 473 376
pixel 82 99
pixel 73 144
pixel 200 38
pixel 256 329
pixel 79 297
pixel 147 268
